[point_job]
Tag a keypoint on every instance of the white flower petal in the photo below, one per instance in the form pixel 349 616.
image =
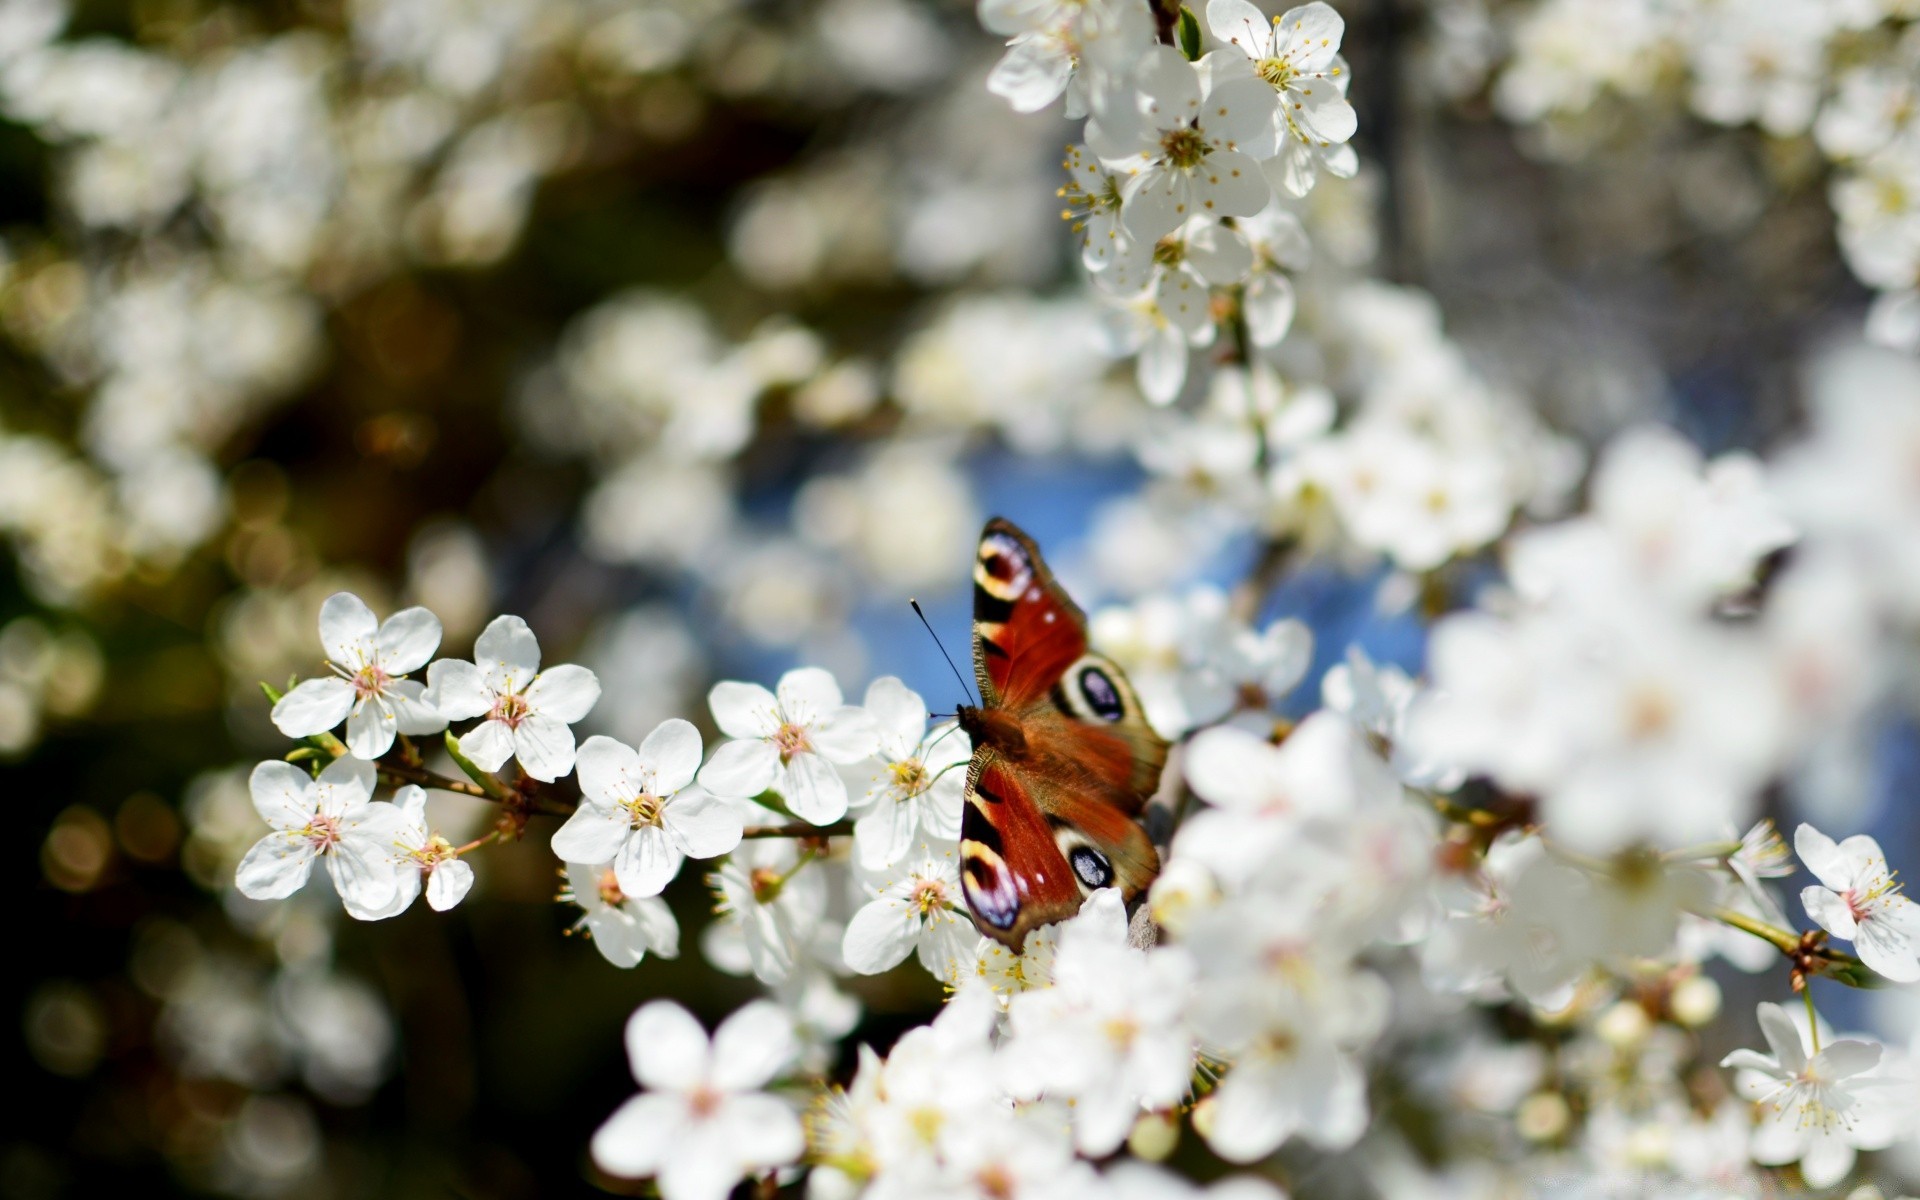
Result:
pixel 315 706
pixel 641 1135
pixel 752 1046
pixel 592 835
pixel 811 787
pixel 370 729
pixel 702 825
pixel 763 1130
pixel 489 744
pixel 565 693
pixel 807 694
pixel 647 862
pixel 609 771
pixel 744 710
pixel 1822 857
pixel 672 753
pixel 899 716
pixel 507 654
pixel 275 868
pixel 879 937
pixel 347 629
pixel 844 734
pixel 666 1047
pixel 742 768
pixel 412 714
pixel 448 884
pixel 457 689
pixel 407 640
pixel 281 794
pixel 544 747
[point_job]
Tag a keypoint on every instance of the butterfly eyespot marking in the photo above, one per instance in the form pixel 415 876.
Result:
pixel 1102 698
pixel 1092 868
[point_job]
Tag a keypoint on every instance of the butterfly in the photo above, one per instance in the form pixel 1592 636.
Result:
pixel 1063 760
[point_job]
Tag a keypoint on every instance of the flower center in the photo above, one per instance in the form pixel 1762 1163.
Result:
pixel 766 883
pixel 1121 1031
pixel 996 1182
pixel 610 893
pixel 929 895
pixel 1183 148
pixel 1169 251
pixel 323 832
pixel 370 681
pixel 909 778
pixel 703 1102
pixel 644 809
pixel 792 739
pixel 511 708
pixel 1277 71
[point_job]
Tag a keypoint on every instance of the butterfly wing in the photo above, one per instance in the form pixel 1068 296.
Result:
pixel 1065 758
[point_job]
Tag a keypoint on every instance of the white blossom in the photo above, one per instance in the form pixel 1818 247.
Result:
pixel 333 818
pixel 527 710
pixel 918 792
pixel 915 909
pixel 703 1121
pixel 642 812
pixel 625 929
pixel 1859 899
pixel 788 740
pixel 1298 56
pixel 370 691
pixel 1814 1107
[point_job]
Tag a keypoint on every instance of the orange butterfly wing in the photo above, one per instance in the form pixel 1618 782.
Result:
pixel 1064 758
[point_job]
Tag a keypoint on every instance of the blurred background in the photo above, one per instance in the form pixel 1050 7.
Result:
pixel 701 334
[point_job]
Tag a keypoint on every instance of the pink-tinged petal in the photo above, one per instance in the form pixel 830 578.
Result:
pixel 879 937
pixel 1838 1060
pixel 458 690
pixel 412 715
pixel 275 868
pixel 448 884
pixel 281 794
pixel 1240 24
pixel 544 747
pixel 806 694
pixel 565 693
pixel 741 769
pixel 610 772
pixel 671 753
pixel 811 787
pixel 845 734
pixel 667 1048
pixel 1828 911
pixel 701 824
pixel 347 629
pixel 640 1136
pixel 751 1047
pixel 764 1130
pixel 370 729
pixel 592 835
pixel 407 640
pixel 1269 305
pixel 489 744
pixel 646 862
pixel 899 716
pixel 1031 74
pixel 508 654
pixel 315 706
pixel 1230 184
pixel 1783 1038
pixel 744 710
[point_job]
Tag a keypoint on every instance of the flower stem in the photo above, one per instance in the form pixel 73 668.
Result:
pixel 1786 941
pixel 1813 1018
pixel 836 829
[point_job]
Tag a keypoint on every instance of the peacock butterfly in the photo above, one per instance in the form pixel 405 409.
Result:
pixel 1063 760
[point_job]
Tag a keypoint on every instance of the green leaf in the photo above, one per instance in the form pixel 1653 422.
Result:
pixel 1189 34
pixel 273 697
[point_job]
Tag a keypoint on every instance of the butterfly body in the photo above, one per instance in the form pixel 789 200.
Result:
pixel 1064 759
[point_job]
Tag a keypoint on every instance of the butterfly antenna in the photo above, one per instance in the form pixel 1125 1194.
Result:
pixel 964 690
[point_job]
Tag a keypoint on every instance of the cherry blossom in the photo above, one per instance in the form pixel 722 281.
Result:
pixel 1815 1107
pixel 623 928
pixel 527 710
pixel 1298 56
pixel 642 812
pixel 333 818
pixel 788 740
pixel 436 868
pixel 370 690
pixel 1197 145
pixel 1859 899
pixel 702 1123
pixel 915 908
pixel 919 789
